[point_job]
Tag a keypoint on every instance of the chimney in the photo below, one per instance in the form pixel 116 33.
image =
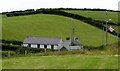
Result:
pixel 76 38
pixel 67 38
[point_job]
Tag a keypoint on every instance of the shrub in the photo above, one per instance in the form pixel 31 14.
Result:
pixel 14 42
pixel 8 53
pixel 23 50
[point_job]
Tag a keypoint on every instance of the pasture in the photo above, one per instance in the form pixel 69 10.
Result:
pixel 97 15
pixel 45 25
pixel 62 62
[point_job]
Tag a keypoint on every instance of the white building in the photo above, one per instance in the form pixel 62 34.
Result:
pixel 48 43
pixel 51 43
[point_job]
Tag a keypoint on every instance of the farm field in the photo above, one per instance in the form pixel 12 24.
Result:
pixel 97 15
pixel 45 25
pixel 62 62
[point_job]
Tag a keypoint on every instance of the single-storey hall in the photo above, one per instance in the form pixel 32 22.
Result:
pixel 52 43
pixel 37 42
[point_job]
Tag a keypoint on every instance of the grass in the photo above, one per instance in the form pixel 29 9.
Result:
pixel 94 59
pixel 43 25
pixel 62 62
pixel 97 15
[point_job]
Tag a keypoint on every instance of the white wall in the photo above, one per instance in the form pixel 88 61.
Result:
pixel 56 47
pixel 48 46
pixel 25 45
pixel 41 46
pixel 34 45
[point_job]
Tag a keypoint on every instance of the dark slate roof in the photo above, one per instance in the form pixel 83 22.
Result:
pixel 66 43
pixel 38 40
pixel 77 42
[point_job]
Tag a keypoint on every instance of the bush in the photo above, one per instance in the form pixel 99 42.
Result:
pixel 8 53
pixel 94 48
pixel 63 53
pixel 23 50
pixel 14 42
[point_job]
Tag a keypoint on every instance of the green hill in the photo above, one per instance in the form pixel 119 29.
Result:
pixel 97 15
pixel 45 25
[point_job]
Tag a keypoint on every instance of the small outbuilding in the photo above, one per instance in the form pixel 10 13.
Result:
pixel 66 45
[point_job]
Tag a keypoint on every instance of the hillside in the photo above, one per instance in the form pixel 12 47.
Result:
pixel 44 25
pixel 97 15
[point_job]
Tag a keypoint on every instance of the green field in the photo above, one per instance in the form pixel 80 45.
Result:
pixel 97 15
pixel 61 62
pixel 44 25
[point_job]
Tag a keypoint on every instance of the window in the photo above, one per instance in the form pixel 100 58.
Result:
pixel 29 45
pixel 52 46
pixel 45 46
pixel 38 45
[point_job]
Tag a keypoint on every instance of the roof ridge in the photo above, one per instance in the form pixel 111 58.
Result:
pixel 42 37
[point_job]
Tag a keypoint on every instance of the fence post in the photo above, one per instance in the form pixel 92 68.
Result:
pixel 25 52
pixel 45 50
pixel 8 53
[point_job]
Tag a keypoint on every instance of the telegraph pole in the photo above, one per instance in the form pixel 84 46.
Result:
pixel 72 33
pixel 103 35
pixel 106 28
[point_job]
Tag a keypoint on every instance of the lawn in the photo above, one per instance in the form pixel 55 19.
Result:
pixel 62 62
pixel 45 25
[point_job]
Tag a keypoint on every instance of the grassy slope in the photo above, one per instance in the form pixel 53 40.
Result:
pixel 61 62
pixel 98 15
pixel 41 25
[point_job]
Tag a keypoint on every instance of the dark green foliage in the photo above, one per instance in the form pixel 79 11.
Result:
pixel 94 48
pixel 8 53
pixel 21 49
pixel 9 47
pixel 24 50
pixel 62 53
pixel 14 42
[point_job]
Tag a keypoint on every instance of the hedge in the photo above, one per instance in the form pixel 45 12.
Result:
pixel 14 42
pixel 23 50
pixel 8 53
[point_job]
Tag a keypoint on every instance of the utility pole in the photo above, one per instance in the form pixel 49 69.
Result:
pixel 103 35
pixel 72 33
pixel 106 28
